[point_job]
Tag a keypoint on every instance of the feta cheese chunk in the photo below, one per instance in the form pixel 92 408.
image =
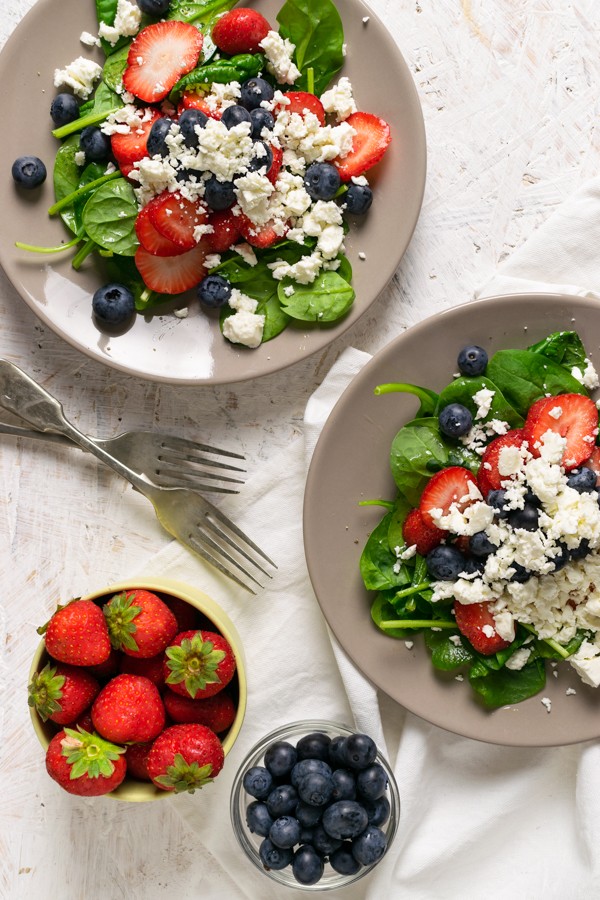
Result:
pixel 339 100
pixel 127 22
pixel 80 75
pixel 278 52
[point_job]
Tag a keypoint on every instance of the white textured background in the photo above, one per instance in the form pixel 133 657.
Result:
pixel 510 92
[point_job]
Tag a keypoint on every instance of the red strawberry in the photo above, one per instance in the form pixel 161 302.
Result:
pixel 450 486
pixel 578 423
pixel 416 531
pixel 261 236
pixel 128 709
pixel 187 615
pixel 84 723
pixel 370 142
pixel 136 758
pixel 594 463
pixel 171 274
pixel 185 757
pixel 108 668
pixel 131 147
pixel 488 476
pixel 62 693
pixel 77 634
pixel 194 100
pixel 240 31
pixel 199 664
pixel 152 669
pixel 158 57
pixel 217 712
pixel 150 239
pixel 226 231
pixel 139 623
pixel 273 172
pixel 175 218
pixel 474 620
pixel 84 764
pixel 301 102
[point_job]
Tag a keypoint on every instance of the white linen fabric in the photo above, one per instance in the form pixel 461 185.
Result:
pixel 477 820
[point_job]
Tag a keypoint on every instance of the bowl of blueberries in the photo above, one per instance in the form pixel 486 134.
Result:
pixel 315 805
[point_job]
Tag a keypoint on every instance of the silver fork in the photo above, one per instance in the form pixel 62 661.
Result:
pixel 166 460
pixel 186 515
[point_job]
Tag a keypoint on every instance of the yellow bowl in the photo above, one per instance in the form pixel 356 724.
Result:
pixel 139 791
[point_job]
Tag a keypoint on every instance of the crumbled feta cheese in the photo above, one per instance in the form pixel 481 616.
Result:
pixel 246 252
pixel 483 400
pixel 80 75
pixel 409 644
pixel 339 100
pixel 244 327
pixel 519 659
pixel 127 22
pixel 278 53
pixel 547 702
pixel 80 158
pixel 556 412
pixel 181 313
pixel 88 39
pixel 408 552
pixel 586 662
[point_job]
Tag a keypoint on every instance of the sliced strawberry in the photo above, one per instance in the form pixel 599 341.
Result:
pixel 301 102
pixel 577 422
pixel 176 217
pixel 171 274
pixel 370 142
pixel 151 239
pixel 131 147
pixel 225 233
pixel 276 164
pixel 476 622
pixel 416 531
pixel 594 463
pixel 445 488
pixel 240 31
pixel 489 477
pixel 194 100
pixel 158 57
pixel 261 236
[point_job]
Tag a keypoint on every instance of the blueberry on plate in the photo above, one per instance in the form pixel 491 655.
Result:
pixel 254 91
pixel 526 518
pixel 322 181
pixel 214 291
pixel 258 782
pixel 29 171
pixel 581 550
pixel 314 746
pixel 473 567
pixel 472 360
pixel 285 832
pixel 156 144
pixel 369 846
pixel 64 109
pixel 258 819
pixel 113 304
pixel 497 500
pixel 358 199
pixel 262 159
pixel 562 557
pixel 261 118
pixel 582 480
pixel 345 819
pixel 273 857
pixel 281 756
pixel 218 194
pixel 235 115
pixel 520 574
pixel 94 143
pixel 307 865
pixel 445 562
pixel 360 751
pixel 455 420
pixel 189 121
pixel 343 861
pixel 154 8
pixel 480 545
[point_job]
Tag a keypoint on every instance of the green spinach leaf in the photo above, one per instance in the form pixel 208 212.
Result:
pixel 222 71
pixel 109 217
pixel 429 399
pixel 377 560
pixel 445 654
pixel 196 11
pixel 505 686
pixel 115 65
pixel 66 177
pixel 383 611
pixel 315 27
pixel 326 299
pixel 417 452
pixel 463 389
pixel 563 347
pixel 524 376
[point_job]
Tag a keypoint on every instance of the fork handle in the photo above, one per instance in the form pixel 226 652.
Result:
pixel 23 396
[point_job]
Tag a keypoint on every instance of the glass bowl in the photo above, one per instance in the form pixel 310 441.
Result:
pixel 250 842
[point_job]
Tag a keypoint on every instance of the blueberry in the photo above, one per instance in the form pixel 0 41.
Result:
pixel 372 782
pixel 113 304
pixel 235 115
pixel 258 819
pixel 282 801
pixel 337 755
pixel 154 8
pixel 521 574
pixel 254 91
pixel 285 831
pixel 273 857
pixel 444 563
pixel 345 819
pixel 258 782
pixel 358 199
pixel 214 291
pixel 280 757
pixel 526 518
pixel 314 746
pixel 562 557
pixel 480 545
pixel 184 175
pixel 323 842
pixel 308 816
pixel 189 121
pixel 582 480
pixel 304 766
pixel 263 158
pixel 360 751
pixel 532 499
pixel 455 420
pixel 378 812
pixel 472 360
pixel 307 865
pixel 29 171
pixel 94 143
pixel 497 500
pixel 322 181
pixel 306 836
pixel 218 194
pixel 315 789
pixel 344 785
pixel 343 861
pixel 156 144
pixel 64 109
pixel 582 550
pixel 473 567
pixel 261 118
pixel 369 846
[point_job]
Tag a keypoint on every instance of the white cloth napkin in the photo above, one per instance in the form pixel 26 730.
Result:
pixel 477 820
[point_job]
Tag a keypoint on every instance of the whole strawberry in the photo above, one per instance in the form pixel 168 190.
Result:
pixel 84 764
pixel 153 668
pixel 139 623
pixel 240 31
pixel 62 693
pixel 77 634
pixel 217 712
pixel 128 710
pixel 199 664
pixel 185 757
pixel 136 758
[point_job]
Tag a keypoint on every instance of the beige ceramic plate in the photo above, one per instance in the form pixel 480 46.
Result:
pixel 191 350
pixel 350 464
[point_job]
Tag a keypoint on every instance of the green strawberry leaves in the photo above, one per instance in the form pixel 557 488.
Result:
pixel 120 613
pixel 184 776
pixel 194 662
pixel 45 691
pixel 89 754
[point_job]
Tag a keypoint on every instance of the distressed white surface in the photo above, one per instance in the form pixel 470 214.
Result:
pixel 510 92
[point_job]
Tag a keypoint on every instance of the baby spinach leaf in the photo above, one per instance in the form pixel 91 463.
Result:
pixel 66 177
pixel 445 654
pixel 275 318
pixel 562 347
pixel 109 217
pixel 399 512
pixel 106 10
pixel 198 10
pixel 326 299
pixel 237 68
pixel 112 73
pixel 429 399
pixel 414 449
pixel 463 389
pixel 315 27
pixel 505 686
pixel 524 376
pixel 377 561
pixel 383 611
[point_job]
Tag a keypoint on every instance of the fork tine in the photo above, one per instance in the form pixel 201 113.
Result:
pixel 170 442
pixel 230 559
pixel 222 518
pixel 219 533
pixel 191 485
pixel 199 548
pixel 175 456
pixel 194 475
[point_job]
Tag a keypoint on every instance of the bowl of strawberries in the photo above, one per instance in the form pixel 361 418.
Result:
pixel 137 691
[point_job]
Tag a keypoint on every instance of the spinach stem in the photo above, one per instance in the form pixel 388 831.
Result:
pixel 418 623
pixel 551 643
pixel 387 504
pixel 78 124
pixel 80 192
pixel 34 249
pixel 83 252
pixel 414 589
